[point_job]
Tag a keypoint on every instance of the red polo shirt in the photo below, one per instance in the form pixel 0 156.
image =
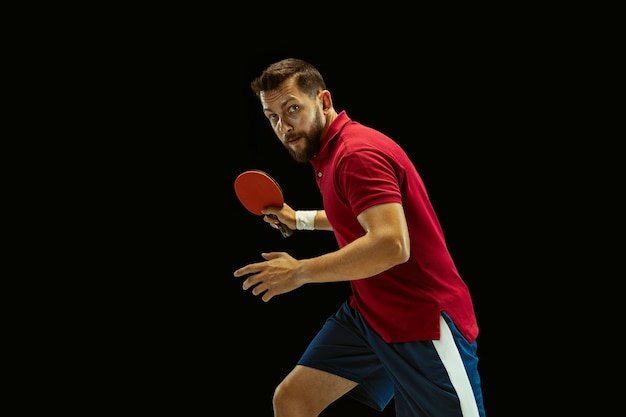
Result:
pixel 358 167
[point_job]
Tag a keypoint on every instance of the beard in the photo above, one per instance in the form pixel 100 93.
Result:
pixel 312 140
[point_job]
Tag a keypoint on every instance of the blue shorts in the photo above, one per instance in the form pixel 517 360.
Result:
pixel 426 378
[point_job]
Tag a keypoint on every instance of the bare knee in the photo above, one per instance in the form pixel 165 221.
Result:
pixel 306 392
pixel 285 400
pixel 289 401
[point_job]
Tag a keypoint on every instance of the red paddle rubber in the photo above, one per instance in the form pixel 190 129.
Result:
pixel 256 190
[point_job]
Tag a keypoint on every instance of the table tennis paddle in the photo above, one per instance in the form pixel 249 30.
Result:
pixel 257 189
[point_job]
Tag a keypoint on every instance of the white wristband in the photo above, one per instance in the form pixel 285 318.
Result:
pixel 305 219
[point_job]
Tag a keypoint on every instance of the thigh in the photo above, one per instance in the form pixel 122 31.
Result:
pixel 341 348
pixel 315 387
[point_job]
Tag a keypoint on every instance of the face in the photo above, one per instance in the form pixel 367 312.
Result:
pixel 297 119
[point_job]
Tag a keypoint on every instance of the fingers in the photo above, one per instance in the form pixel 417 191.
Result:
pixel 277 215
pixel 256 267
pixel 262 290
pixel 258 287
pixel 259 280
pixel 254 270
pixel 272 220
pixel 248 269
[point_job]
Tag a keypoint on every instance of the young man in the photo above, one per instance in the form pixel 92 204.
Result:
pixel 408 330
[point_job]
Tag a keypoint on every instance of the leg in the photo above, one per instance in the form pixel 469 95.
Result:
pixel 306 392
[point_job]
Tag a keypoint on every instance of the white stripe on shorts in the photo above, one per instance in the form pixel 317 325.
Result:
pixel 451 358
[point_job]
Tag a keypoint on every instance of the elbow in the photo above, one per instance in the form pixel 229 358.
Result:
pixel 406 256
pixel 403 254
pixel 403 242
pixel 399 250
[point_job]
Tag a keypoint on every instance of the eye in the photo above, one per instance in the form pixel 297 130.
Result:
pixel 272 116
pixel 293 109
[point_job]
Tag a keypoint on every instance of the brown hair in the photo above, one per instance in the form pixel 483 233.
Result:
pixel 308 78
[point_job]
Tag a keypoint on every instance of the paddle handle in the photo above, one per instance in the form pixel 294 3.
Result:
pixel 286 232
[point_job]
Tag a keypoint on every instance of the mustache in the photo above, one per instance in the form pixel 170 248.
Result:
pixel 293 136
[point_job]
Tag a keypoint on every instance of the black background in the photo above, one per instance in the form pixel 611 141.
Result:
pixel 149 123
pixel 449 118
pixel 182 334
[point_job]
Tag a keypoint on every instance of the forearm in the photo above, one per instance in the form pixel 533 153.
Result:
pixel 321 221
pixel 363 258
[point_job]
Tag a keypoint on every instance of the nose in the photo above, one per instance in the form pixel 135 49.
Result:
pixel 283 127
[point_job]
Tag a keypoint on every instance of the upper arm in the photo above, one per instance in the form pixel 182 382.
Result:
pixel 387 224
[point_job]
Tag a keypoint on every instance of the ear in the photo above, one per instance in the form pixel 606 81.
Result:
pixel 327 101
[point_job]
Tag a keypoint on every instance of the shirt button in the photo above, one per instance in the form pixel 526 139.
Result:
pixel 319 174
